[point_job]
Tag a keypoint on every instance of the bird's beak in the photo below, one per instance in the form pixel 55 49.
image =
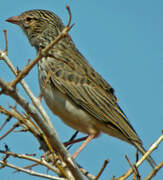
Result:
pixel 14 20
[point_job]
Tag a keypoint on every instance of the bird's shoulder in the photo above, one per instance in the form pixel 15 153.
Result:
pixel 71 67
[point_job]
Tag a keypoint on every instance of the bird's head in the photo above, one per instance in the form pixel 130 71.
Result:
pixel 40 26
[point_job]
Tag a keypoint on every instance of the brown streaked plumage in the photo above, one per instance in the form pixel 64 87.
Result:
pixel 75 91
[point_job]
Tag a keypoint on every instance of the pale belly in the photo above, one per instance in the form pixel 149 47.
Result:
pixel 70 113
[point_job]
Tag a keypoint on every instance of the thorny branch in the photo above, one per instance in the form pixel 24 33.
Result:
pixel 33 173
pixel 27 157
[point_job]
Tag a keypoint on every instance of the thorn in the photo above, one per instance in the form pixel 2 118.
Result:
pixel 6 42
pixel 70 15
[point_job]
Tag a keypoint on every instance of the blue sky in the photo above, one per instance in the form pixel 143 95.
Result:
pixel 123 41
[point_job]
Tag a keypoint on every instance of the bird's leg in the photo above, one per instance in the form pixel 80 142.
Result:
pixel 75 141
pixel 89 138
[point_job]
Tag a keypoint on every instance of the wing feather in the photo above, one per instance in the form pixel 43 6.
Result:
pixel 96 102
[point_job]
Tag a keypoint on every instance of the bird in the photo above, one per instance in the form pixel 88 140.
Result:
pixel 75 92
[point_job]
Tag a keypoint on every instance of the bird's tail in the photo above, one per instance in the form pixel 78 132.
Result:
pixel 141 149
pixel 132 136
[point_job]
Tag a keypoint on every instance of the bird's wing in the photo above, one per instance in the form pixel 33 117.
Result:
pixel 72 57
pixel 92 98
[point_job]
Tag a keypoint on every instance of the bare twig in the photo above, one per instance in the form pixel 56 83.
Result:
pixel 102 169
pixel 33 173
pixel 154 171
pixel 31 166
pixel 86 173
pixel 25 120
pixel 70 15
pixel 9 131
pixel 27 157
pixel 6 43
pixel 5 122
pixel 47 78
pixel 134 168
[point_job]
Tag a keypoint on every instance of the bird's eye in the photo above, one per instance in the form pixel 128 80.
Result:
pixel 28 19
